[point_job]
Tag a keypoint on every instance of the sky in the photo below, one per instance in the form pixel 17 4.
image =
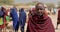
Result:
pixel 44 1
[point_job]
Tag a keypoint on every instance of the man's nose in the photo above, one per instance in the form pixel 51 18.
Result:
pixel 40 11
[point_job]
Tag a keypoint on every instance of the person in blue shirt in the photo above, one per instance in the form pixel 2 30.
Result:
pixel 15 19
pixel 22 19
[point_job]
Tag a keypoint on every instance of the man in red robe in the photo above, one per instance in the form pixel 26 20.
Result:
pixel 39 21
pixel 58 19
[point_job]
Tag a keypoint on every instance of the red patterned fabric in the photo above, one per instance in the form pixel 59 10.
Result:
pixel 58 20
pixel 58 14
pixel 39 24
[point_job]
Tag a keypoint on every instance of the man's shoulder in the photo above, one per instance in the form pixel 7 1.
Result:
pixel 49 18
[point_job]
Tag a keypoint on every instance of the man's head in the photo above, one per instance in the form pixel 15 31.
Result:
pixel 21 10
pixel 40 8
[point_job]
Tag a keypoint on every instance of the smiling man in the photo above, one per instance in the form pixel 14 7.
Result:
pixel 39 21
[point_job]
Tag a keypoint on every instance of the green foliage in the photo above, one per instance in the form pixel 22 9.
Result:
pixel 59 4
pixel 8 2
pixel 50 5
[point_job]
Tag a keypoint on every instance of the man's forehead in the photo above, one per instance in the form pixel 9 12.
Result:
pixel 41 5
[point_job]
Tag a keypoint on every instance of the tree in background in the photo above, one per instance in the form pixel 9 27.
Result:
pixel 8 2
pixel 59 4
pixel 32 3
pixel 50 5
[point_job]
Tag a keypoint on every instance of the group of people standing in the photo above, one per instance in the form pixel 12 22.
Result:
pixel 4 18
pixel 38 19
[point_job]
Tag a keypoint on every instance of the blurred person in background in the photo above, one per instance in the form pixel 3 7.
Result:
pixel 22 19
pixel 14 15
pixel 58 18
pixel 2 18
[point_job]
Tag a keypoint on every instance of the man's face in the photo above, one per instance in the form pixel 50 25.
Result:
pixel 40 9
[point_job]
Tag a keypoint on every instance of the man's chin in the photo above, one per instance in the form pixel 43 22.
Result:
pixel 40 15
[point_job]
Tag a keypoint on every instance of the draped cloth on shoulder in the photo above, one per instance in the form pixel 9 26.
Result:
pixel 39 24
